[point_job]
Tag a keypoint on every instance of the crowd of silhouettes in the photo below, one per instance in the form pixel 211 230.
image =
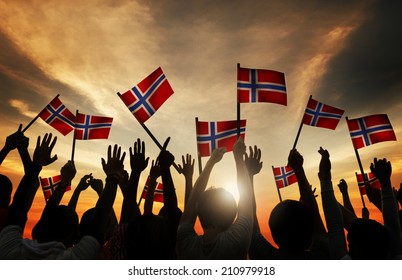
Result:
pixel 230 230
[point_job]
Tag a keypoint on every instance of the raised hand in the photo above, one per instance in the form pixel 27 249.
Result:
pixel 42 154
pixel 155 171
pixel 295 160
pixel 187 169
pixel 381 169
pixel 343 186
pixel 15 139
pixel 325 165
pixel 96 185
pixel 68 171
pixel 239 148
pixel 114 165
pixel 253 161
pixel 138 162
pixel 165 158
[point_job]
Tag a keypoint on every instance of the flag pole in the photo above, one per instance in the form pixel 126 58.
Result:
pixel 300 128
pixel 198 153
pixel 73 147
pixel 361 170
pixel 238 106
pixel 279 193
pixel 34 119
pixel 153 138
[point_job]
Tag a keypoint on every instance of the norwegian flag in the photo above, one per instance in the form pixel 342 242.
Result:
pixel 212 135
pixel 371 179
pixel 147 97
pixel 321 115
pixel 284 176
pixel 260 85
pixel 50 184
pixel 369 130
pixel 58 116
pixel 89 127
pixel 158 193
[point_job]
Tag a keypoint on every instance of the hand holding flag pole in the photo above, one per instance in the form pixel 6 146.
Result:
pixel 153 137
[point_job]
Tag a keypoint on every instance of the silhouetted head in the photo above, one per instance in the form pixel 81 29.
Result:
pixel 6 188
pixel 146 239
pixel 58 223
pixel 216 209
pixel 86 224
pixel 291 223
pixel 368 240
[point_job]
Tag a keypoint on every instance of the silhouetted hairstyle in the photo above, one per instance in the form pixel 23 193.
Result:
pixel 292 223
pixel 216 208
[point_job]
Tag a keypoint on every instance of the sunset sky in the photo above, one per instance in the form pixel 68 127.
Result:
pixel 344 53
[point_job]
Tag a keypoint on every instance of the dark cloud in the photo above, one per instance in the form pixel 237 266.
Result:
pixel 367 73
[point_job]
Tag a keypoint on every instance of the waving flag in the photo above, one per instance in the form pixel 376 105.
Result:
pixel 260 85
pixel 147 97
pixel 371 179
pixel 321 115
pixel 158 193
pixel 50 184
pixel 89 127
pixel 212 135
pixel 369 130
pixel 284 176
pixel 58 116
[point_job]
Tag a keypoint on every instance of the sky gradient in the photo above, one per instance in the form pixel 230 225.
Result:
pixel 346 54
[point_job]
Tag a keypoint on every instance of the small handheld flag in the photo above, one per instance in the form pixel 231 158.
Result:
pixel 369 130
pixel 50 184
pixel 260 85
pixel 144 99
pixel 89 127
pixel 217 134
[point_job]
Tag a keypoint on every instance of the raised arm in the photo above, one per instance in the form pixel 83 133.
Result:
pixel 245 205
pixel 254 165
pixel 154 174
pixel 19 141
pixel 296 160
pixel 190 214
pixel 138 163
pixel 332 212
pixel 166 160
pixel 187 170
pixel 113 168
pixel 82 186
pixel 29 184
pixel 343 188
pixel 67 175
pixel 382 169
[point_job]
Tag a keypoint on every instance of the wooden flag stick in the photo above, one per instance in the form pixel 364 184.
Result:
pixel 154 139
pixel 364 177
pixel 238 107
pixel 300 128
pixel 73 147
pixel 279 193
pixel 34 119
pixel 198 153
pixel 361 170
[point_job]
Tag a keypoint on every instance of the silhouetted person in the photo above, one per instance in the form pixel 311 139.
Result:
pixel 225 236
pixel 18 141
pixel 187 169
